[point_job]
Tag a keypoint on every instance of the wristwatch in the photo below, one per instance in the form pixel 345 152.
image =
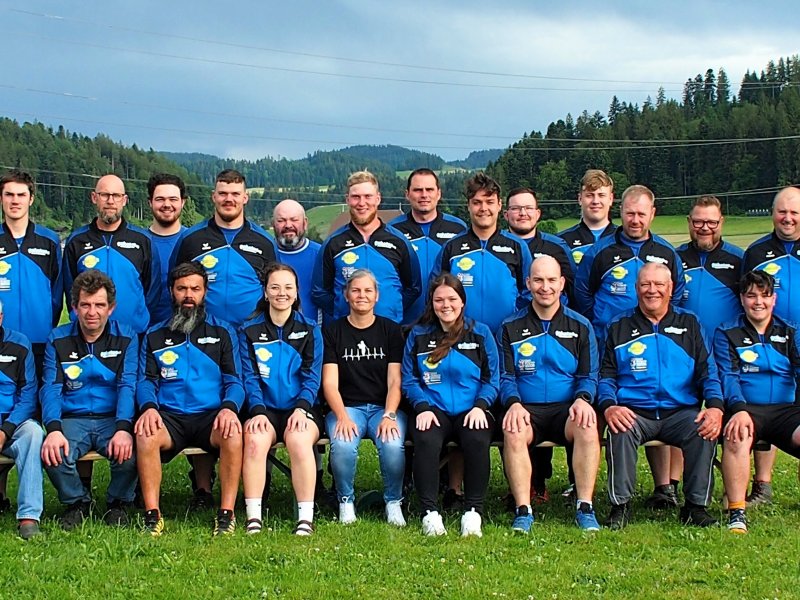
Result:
pixel 390 415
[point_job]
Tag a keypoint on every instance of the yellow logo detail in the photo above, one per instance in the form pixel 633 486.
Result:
pixel 748 356
pixel 263 354
pixel 73 371
pixel 527 349
pixel 772 269
pixel 577 256
pixel 90 261
pixel 431 365
pixel 168 358
pixel 349 258
pixel 687 277
pixel 619 272
pixel 465 264
pixel 4 267
pixel 637 348
pixel 209 261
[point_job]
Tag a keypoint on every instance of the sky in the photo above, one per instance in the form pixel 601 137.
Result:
pixel 248 79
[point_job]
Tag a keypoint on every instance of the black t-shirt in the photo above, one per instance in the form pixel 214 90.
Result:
pixel 363 356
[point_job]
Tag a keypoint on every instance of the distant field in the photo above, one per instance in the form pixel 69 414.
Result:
pixel 320 217
pixel 444 169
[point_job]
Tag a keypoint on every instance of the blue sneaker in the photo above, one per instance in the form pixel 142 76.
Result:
pixel 585 518
pixel 522 521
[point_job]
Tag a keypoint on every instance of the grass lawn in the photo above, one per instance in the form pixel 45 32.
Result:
pixel 654 557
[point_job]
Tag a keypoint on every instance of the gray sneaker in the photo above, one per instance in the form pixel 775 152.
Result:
pixel 760 494
pixel 29 530
pixel 74 515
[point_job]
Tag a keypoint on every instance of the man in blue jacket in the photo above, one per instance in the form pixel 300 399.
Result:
pixel 189 395
pixel 548 383
pixel 655 377
pixel 87 398
pixel 758 354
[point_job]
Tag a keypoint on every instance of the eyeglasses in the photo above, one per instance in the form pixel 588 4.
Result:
pixel 520 209
pixel 106 195
pixel 700 223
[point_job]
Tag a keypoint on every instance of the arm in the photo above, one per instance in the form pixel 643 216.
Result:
pixel 588 366
pixel 523 293
pixel 311 371
pixel 126 386
pixel 322 281
pixel 490 372
pixel 387 428
pixel 583 294
pixel 727 361
pixel 509 392
pixel 411 384
pixel 231 368
pixel 410 275
pixel 607 385
pixel 678 279
pixel 25 405
pixel 56 283
pixel 345 427
pixel 151 280
pixel 150 379
pixel 51 394
pixel 251 379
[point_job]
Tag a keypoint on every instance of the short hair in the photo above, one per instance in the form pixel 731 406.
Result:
pixel 91 282
pixel 362 177
pixel 187 269
pixel 522 190
pixel 658 267
pixel 481 182
pixel 758 279
pixel 638 190
pixel 704 201
pixel 18 176
pixel 594 179
pixel 165 179
pixel 360 273
pixel 230 176
pixel 421 171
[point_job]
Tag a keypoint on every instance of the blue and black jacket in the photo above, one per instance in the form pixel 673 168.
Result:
pixel 605 285
pixel 190 374
pixel 389 256
pixel 302 260
pixel 547 364
pixel 84 379
pixel 30 282
pixel 442 229
pixel 493 274
pixel 579 238
pixel 126 255
pixel 467 377
pixel 281 366
pixel 17 381
pixel 758 369
pixel 712 284
pixel 657 368
pixel 545 244
pixel 235 270
pixel 769 254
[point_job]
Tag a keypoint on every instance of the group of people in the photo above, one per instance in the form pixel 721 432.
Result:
pixel 226 338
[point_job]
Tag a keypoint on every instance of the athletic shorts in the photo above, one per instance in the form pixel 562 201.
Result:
pixel 549 422
pixel 776 423
pixel 189 431
pixel 279 418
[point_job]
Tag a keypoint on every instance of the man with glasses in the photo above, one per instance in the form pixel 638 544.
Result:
pixel 123 251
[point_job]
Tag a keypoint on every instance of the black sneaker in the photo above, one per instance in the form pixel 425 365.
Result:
pixel 153 522
pixel 117 514
pixel 696 515
pixel 452 500
pixel 201 500
pixel 760 494
pixel 664 496
pixel 5 504
pixel 224 522
pixel 620 516
pixel 75 515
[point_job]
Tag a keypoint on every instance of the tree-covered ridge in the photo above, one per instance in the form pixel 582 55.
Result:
pixel 657 144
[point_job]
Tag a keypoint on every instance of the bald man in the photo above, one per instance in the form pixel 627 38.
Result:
pixel 658 381
pixel 548 386
pixel 290 225
pixel 121 250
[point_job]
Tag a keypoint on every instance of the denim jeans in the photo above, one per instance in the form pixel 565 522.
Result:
pixel 85 434
pixel 344 454
pixel 26 450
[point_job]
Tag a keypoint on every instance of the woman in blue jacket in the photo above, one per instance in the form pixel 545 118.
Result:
pixel 451 378
pixel 281 366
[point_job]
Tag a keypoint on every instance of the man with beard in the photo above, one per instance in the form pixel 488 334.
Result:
pixel 233 250
pixel 121 250
pixel 190 395
pixel 290 225
pixel 366 243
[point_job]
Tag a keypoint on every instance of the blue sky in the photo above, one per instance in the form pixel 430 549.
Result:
pixel 248 79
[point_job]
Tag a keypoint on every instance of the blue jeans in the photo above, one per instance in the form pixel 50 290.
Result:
pixel 85 434
pixel 26 450
pixel 344 454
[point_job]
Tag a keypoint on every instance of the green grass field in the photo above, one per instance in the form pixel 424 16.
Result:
pixel 654 557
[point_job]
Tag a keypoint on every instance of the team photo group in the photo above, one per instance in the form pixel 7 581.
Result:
pixel 433 337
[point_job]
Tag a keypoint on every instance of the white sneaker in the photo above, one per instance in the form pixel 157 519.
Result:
pixel 471 524
pixel 432 524
pixel 394 513
pixel 347 513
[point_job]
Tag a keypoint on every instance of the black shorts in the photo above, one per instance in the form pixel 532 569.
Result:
pixel 279 418
pixel 188 431
pixel 549 421
pixel 776 423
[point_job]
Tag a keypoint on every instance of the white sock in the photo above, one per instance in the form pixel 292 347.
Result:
pixel 253 508
pixel 578 503
pixel 305 511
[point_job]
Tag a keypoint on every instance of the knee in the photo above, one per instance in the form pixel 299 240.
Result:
pixel 256 445
pixel 516 442
pixel 298 445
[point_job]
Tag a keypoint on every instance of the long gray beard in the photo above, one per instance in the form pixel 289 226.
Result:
pixel 185 320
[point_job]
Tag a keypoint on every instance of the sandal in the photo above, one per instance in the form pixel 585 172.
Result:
pixel 304 528
pixel 253 526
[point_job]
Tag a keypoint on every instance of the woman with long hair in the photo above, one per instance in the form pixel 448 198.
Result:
pixel 281 366
pixel 451 379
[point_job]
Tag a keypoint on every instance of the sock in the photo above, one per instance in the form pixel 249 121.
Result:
pixel 579 502
pixel 305 511
pixel 528 506
pixel 674 483
pixel 736 505
pixel 253 508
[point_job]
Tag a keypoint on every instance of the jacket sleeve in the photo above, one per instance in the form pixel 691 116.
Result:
pixel 410 275
pixel 322 282
pixel 57 285
pixel 568 270
pixel 588 365
pixel 250 378
pixel 607 386
pixel 25 405
pixel 678 280
pixel 311 371
pixel 509 392
pixel 51 394
pixel 149 378
pixel 411 384
pixel 523 293
pixel 583 294
pixel 126 386
pixel 728 364
pixel 231 369
pixel 151 282
pixel 69 271
pixel 705 371
pixel 490 372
